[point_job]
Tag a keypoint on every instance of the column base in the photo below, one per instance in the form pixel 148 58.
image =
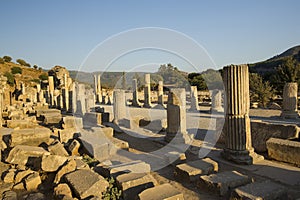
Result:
pixel 289 114
pixel 245 157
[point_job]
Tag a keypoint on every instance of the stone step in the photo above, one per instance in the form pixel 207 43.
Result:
pixel 134 183
pixel 190 172
pixel 222 182
pixel 266 190
pixel 161 192
pixel 123 168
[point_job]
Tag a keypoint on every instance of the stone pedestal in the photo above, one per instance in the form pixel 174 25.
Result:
pixel 216 102
pixel 147 92
pixel 160 93
pixel 290 101
pixel 135 96
pixel 119 106
pixel 238 145
pixel 176 117
pixel 51 90
pixel 194 98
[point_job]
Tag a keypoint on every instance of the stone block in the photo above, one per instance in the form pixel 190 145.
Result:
pixel 175 157
pixel 52 118
pixel 51 163
pixel 155 125
pixel 41 112
pixel 86 183
pixel 72 122
pixel 31 137
pixel 191 171
pixel 20 124
pixel 57 149
pixel 66 135
pixel 32 181
pixel 284 150
pixel 222 182
pixel 9 195
pixel 161 192
pixel 62 190
pixel 21 175
pixel 73 148
pixel 266 190
pixel 68 167
pixel 129 167
pixel 22 155
pixel 8 176
pixel 133 183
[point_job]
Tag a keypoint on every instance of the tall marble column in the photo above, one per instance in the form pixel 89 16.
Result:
pixel 238 145
pixel 216 102
pixel 160 99
pixel 147 92
pixel 99 92
pixel 194 99
pixel 176 117
pixel 119 106
pixel 3 81
pixel 65 93
pixel 290 101
pixel 51 89
pixel 135 95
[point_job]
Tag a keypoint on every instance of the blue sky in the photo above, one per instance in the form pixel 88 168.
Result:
pixel 49 33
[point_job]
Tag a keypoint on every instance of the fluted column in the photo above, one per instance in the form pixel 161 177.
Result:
pixel 135 96
pixel 194 98
pixel 147 92
pixel 290 101
pixel 238 145
pixel 160 99
pixel 119 106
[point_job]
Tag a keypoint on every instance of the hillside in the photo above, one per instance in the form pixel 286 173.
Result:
pixel 269 66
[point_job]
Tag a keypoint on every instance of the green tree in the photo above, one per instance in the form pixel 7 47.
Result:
pixel 260 91
pixel 16 70
pixel 7 58
pixel 172 76
pixel 10 78
pixel 213 79
pixel 23 62
pixel 287 72
pixel 196 79
pixel 43 77
pixel 35 66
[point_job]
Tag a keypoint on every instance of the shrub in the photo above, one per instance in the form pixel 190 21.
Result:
pixel 10 78
pixel 112 192
pixel 7 58
pixel 36 80
pixel 16 70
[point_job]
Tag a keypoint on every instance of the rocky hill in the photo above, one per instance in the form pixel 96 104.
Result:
pixel 269 66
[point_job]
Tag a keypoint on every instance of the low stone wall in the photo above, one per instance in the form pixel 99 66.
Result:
pixel 284 150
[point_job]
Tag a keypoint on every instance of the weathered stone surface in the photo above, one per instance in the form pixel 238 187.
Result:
pixel 62 190
pixel 154 125
pixel 70 166
pixel 20 124
pixel 9 195
pixel 86 183
pixel 262 131
pixel 22 174
pixel 266 190
pixel 161 192
pixel 222 182
pixel 274 106
pixel 20 154
pixel 175 157
pixel 119 107
pixel 52 118
pixel 66 135
pixel 132 184
pixel 9 176
pixel 134 167
pixel 57 149
pixel 81 165
pixel 32 181
pixel 73 148
pixel 51 163
pixel 192 170
pixel 41 112
pixel 31 137
pixel 284 150
pixel 72 122
pixel 35 196
pixel 290 101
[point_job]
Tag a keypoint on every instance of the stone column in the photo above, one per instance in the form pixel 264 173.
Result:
pixel 238 145
pixel 65 92
pixel 147 92
pixel 23 88
pixel 3 81
pixel 80 100
pixel 99 93
pixel 160 98
pixel 73 96
pixel 119 106
pixel 135 96
pixel 176 117
pixel 216 101
pixel 51 89
pixel 290 101
pixel 194 99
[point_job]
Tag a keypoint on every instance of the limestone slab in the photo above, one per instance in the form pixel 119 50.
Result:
pixel 192 170
pixel 31 137
pixel 86 183
pixel 161 192
pixel 51 163
pixel 222 182
pixel 266 190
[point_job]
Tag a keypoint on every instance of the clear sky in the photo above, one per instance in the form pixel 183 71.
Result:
pixel 49 33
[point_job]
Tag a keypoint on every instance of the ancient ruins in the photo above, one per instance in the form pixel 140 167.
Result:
pixel 64 140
